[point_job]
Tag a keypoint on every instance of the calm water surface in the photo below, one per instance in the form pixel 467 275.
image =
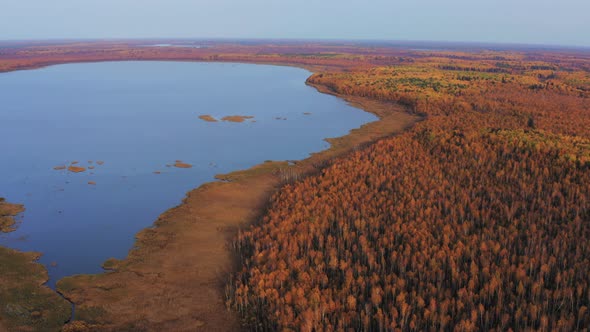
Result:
pixel 138 117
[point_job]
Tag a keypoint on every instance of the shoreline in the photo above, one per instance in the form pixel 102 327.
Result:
pixel 198 229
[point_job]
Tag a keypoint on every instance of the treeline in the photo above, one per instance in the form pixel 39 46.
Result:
pixel 476 219
pixel 475 69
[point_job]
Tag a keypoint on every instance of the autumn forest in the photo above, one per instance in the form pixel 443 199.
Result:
pixel 476 217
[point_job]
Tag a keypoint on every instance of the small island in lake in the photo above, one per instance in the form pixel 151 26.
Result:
pixel 180 164
pixel 208 118
pixel 228 118
pixel 236 118
pixel 76 169
pixel 7 213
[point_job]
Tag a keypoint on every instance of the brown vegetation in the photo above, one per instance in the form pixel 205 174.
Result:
pixel 207 118
pixel 7 213
pixel 25 304
pixel 180 164
pixel 236 118
pixel 76 169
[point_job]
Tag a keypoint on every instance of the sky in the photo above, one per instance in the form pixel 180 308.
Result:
pixel 550 22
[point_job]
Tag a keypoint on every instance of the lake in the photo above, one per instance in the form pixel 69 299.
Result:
pixel 139 118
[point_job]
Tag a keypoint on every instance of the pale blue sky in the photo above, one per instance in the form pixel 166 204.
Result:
pixel 560 22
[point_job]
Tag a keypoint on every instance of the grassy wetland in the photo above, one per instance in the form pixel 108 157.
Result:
pixel 25 303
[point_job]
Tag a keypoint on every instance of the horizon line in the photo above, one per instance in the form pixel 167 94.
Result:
pixel 293 39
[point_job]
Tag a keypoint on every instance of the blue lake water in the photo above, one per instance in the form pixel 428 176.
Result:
pixel 138 117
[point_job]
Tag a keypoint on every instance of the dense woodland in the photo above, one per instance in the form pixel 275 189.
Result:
pixel 478 218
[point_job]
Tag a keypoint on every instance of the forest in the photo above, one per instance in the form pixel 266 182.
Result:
pixel 475 219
